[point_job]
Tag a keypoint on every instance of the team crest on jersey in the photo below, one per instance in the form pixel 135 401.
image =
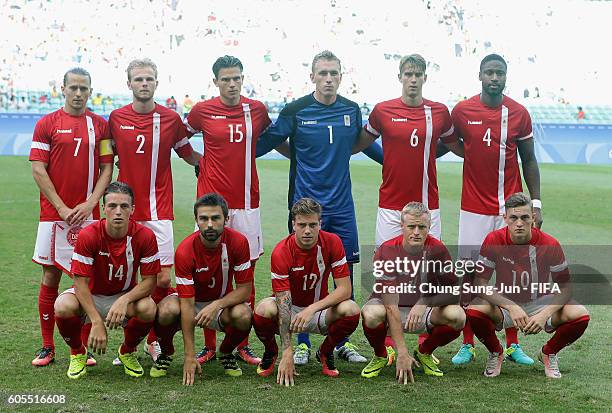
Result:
pixel 72 235
pixel 347 120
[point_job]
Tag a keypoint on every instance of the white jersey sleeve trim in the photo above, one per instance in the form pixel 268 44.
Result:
pixel 242 267
pixel 183 281
pixel 339 262
pixel 181 143
pixel 189 128
pixel 83 259
pixel 559 267
pixel 448 132
pixel 370 129
pixel 487 262
pixel 279 276
pixel 525 137
pixel 41 145
pixel 149 260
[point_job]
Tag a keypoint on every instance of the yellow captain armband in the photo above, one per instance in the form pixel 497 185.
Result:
pixel 106 147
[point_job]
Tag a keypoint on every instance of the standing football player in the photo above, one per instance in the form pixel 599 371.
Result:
pixel 144 136
pixel 322 128
pixel 71 159
pixel 491 128
pixel 231 125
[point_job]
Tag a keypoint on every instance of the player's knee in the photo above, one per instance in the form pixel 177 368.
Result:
pixel 66 305
pixel 51 276
pixel 240 316
pixel 574 311
pixel 267 308
pixel 168 310
pixel 373 314
pixel 347 308
pixel 145 309
pixel 454 316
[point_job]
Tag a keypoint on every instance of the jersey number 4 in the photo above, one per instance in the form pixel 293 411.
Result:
pixel 487 137
pixel 117 274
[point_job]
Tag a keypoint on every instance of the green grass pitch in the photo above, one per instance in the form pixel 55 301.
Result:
pixel 576 211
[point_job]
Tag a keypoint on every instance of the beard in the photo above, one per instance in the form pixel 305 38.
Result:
pixel 211 235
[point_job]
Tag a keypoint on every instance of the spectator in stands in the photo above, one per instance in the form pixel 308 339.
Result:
pixel 171 103
pixel 580 116
pixel 187 105
pixel 108 101
pixel 42 99
pixel 365 110
pixel 22 104
pixel 97 100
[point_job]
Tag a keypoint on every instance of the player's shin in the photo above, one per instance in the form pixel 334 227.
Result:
pixel 440 336
pixel 265 328
pixel 338 330
pixel 233 337
pixel 46 301
pixel 566 334
pixel 485 330
pixel 376 338
pixel 165 335
pixel 135 331
pixel 70 330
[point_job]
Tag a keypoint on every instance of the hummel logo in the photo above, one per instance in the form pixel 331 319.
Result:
pixel 474 122
pixel 297 269
pixel 201 269
pixel 218 117
pixel 355 253
pixel 46 317
pixel 64 131
pixel 508 260
pixel 309 122
pixel 104 254
pixel 126 127
pixel 399 120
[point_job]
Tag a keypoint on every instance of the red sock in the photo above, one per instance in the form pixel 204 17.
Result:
pixel 422 338
pixel 511 336
pixel 210 339
pixel 468 334
pixel 440 336
pixel 566 334
pixel 85 330
pixel 46 313
pixel 245 342
pixel 70 329
pixel 233 336
pixel 134 333
pixel 338 330
pixel 389 342
pixel 376 338
pixel 485 330
pixel 165 335
pixel 266 328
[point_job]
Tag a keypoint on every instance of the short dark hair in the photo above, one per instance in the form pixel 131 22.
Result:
pixel 211 199
pixel 77 71
pixel 492 57
pixel 305 206
pixel 518 199
pixel 118 188
pixel 225 62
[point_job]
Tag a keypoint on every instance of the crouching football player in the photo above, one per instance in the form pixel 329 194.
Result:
pixel 424 309
pixel 524 258
pixel 206 263
pixel 300 267
pixel 106 260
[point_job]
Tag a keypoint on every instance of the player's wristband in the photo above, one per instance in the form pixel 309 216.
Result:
pixel 536 203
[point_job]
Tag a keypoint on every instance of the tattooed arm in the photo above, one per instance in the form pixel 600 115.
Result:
pixel 286 368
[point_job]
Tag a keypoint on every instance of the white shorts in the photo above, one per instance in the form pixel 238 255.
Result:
pixel 165 239
pixel 216 324
pixel 248 223
pixel 424 326
pixel 388 225
pixel 531 308
pixel 103 304
pixel 316 325
pixel 473 228
pixel 55 241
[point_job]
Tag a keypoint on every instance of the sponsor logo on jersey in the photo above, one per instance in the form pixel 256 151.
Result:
pixel 347 120
pixel 126 127
pixel 64 131
pixel 201 269
pixel 399 120
pixel 309 122
pixel 508 260
pixel 474 122
pixel 218 117
pixel 297 269
pixel 104 254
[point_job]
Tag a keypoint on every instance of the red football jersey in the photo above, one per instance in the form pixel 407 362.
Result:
pixel 73 148
pixel 112 264
pixel 144 143
pixel 523 266
pixel 410 139
pixel 432 267
pixel 230 138
pixel 207 274
pixel 306 272
pixel 490 168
